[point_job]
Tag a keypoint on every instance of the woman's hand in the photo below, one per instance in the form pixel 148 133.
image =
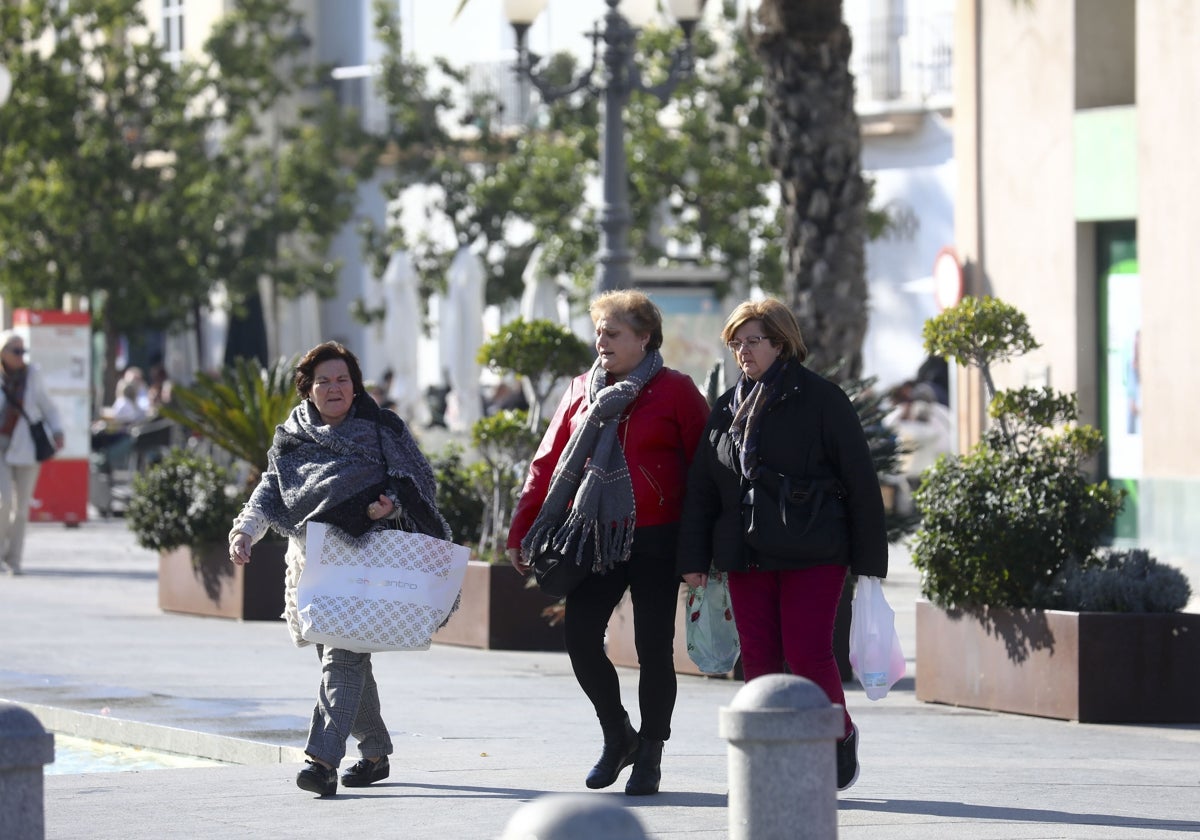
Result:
pixel 518 562
pixel 381 508
pixel 696 580
pixel 239 548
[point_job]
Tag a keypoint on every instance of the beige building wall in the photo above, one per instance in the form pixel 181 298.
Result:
pixel 1116 70
pixel 1168 93
pixel 1027 93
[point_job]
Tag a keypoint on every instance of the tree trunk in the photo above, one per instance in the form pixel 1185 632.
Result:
pixel 815 149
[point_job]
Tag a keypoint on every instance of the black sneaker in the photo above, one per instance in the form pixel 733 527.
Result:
pixel 366 772
pixel 317 779
pixel 847 760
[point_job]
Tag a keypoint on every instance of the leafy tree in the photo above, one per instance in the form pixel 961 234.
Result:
pixel 541 353
pixel 143 186
pixel 707 184
pixel 239 410
pixel 506 442
pixel 778 97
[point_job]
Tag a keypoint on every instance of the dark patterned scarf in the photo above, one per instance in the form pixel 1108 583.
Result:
pixel 13 384
pixel 750 402
pixel 322 473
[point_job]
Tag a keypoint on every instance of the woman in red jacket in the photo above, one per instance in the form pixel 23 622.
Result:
pixel 605 488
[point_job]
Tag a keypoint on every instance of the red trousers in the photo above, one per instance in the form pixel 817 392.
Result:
pixel 786 618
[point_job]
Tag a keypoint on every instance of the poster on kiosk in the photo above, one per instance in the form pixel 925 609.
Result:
pixel 59 343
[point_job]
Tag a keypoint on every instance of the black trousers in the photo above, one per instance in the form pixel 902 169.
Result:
pixel 653 584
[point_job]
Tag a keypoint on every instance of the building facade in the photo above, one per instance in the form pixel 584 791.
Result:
pixel 1075 139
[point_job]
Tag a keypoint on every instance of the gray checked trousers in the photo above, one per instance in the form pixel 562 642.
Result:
pixel 347 705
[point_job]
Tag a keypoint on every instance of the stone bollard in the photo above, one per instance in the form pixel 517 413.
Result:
pixel 24 747
pixel 573 816
pixel 781 731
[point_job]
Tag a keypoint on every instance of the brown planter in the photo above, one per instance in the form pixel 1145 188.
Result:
pixel 203 581
pixel 498 612
pixel 1089 667
pixel 623 652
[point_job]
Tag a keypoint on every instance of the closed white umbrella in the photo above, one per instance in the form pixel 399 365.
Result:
pixel 539 298
pixel 401 330
pixel 462 327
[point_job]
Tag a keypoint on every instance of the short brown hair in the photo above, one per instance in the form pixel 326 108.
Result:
pixel 779 326
pixel 303 377
pixel 632 308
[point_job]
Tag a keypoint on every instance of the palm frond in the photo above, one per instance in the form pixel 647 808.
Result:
pixel 239 409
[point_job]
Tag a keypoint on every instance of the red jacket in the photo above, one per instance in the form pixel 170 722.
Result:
pixel 658 432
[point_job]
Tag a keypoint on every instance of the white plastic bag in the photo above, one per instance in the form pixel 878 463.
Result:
pixel 875 653
pixel 385 590
pixel 712 638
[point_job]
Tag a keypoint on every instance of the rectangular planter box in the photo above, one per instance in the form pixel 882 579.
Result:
pixel 623 653
pixel 499 612
pixel 1089 667
pixel 213 586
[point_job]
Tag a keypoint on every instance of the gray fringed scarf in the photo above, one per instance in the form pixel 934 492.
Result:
pixel 591 493
pixel 324 473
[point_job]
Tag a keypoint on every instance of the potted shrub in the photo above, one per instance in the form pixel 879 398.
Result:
pixel 1026 612
pixel 499 609
pixel 182 507
pixel 235 414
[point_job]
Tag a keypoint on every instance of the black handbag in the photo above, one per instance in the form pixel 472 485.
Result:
pixel 43 447
pixel 556 572
pixel 796 520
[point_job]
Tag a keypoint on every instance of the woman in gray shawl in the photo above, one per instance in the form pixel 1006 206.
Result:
pixel 342 460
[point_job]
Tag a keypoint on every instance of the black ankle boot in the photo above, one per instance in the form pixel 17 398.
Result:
pixel 620 745
pixel 647 769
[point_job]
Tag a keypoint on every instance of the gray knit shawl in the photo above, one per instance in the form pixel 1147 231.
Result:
pixel 591 493
pixel 313 468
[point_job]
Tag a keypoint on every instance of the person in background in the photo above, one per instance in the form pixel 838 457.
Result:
pixel 327 463
pixel 607 483
pixel 134 376
pixel 126 409
pixel 935 372
pixel 922 425
pixel 25 401
pixel 782 417
pixel 158 392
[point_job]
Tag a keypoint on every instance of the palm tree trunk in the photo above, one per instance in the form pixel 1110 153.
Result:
pixel 815 149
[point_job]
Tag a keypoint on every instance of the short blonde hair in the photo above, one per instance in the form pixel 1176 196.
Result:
pixel 632 308
pixel 779 326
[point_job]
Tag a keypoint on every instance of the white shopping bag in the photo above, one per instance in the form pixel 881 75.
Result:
pixel 875 653
pixel 385 590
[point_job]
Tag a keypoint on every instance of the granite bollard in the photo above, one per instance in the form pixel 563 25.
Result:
pixel 573 816
pixel 25 747
pixel 781 731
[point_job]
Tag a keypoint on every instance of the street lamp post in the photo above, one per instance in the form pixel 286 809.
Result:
pixel 621 78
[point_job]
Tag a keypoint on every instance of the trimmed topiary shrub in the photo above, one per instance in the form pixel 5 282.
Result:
pixel 1004 521
pixel 183 500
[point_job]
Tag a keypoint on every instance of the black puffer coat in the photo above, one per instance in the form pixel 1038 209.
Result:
pixel 813 431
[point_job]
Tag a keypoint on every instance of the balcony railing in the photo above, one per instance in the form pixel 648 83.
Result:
pixel 903 60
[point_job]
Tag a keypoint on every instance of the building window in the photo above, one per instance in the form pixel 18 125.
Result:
pixel 172 31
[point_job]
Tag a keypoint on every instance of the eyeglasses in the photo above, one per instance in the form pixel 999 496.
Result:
pixel 16 351
pixel 750 341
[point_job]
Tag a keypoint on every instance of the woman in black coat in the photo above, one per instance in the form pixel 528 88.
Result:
pixel 783 495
